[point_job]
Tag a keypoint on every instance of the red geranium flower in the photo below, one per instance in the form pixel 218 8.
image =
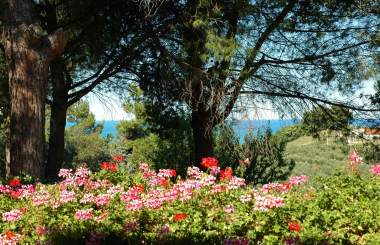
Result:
pixel 105 165
pixel 112 166
pixel 209 162
pixel 164 182
pixel 14 182
pixel 15 194
pixel 294 226
pixel 173 173
pixel 9 235
pixel 118 158
pixel 226 174
pixel 140 187
pixel 109 166
pixel 179 217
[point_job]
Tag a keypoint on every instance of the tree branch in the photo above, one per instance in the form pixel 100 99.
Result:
pixel 56 44
pixel 310 58
pixel 264 36
pixel 303 96
pixel 96 74
pixel 250 67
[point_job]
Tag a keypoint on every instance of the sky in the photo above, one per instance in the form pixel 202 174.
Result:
pixel 109 107
pixel 106 107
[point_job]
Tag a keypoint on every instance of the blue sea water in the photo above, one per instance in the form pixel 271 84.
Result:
pixel 110 128
pixel 244 126
pixel 241 127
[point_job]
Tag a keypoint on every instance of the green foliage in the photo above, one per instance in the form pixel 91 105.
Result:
pixel 155 136
pixel 370 151
pixel 164 153
pixel 84 143
pixel 327 118
pixel 220 48
pixel 226 145
pixel 263 158
pixel 340 209
pixel 136 128
pixel 289 133
pixel 145 149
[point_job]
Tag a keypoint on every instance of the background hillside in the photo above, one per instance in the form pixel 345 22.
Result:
pixel 315 157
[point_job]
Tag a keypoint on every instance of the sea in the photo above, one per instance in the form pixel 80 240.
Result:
pixel 242 127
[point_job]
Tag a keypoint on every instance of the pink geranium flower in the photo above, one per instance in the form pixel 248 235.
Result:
pixel 375 169
pixel 84 214
pixel 13 215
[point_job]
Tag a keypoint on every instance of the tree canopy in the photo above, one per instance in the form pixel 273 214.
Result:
pixel 197 63
pixel 215 55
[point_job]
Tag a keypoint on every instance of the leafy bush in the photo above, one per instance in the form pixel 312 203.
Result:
pixel 328 119
pixel 263 158
pixel 155 135
pixel 114 207
pixel 84 143
pixel 289 133
pixel 226 145
pixel 370 152
pixel 259 159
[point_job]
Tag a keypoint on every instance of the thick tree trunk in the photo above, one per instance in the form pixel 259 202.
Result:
pixel 27 78
pixel 56 150
pixel 57 120
pixel 28 52
pixel 202 134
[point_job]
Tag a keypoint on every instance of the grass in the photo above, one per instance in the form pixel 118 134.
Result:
pixel 315 157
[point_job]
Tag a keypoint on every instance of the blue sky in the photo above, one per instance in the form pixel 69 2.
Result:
pixel 106 107
pixel 109 107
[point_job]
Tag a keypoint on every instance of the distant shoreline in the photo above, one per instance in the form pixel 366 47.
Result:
pixel 242 127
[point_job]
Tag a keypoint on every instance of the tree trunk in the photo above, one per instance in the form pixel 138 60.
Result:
pixel 27 78
pixel 27 74
pixel 28 51
pixel 56 150
pixel 202 134
pixel 57 120
pixel 7 156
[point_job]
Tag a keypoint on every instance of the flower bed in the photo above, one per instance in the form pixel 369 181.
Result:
pixel 213 207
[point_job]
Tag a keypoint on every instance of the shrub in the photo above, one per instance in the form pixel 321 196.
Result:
pixel 84 143
pixel 263 158
pixel 289 133
pixel 370 152
pixel 226 145
pixel 111 206
pixel 114 207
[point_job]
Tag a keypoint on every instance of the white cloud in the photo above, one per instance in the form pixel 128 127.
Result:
pixel 107 107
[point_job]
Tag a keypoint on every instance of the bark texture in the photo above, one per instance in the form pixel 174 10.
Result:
pixel 59 107
pixel 202 134
pixel 28 53
pixel 27 78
